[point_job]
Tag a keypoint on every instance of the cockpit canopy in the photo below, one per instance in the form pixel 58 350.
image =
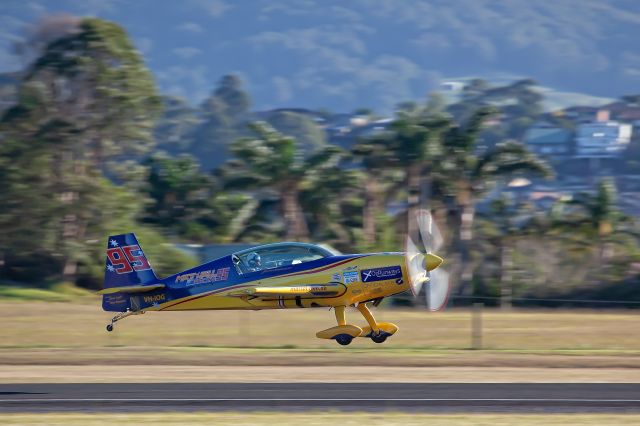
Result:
pixel 276 255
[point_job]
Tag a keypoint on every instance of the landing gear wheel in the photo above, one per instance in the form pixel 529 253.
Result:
pixel 343 339
pixel 379 338
pixel 109 327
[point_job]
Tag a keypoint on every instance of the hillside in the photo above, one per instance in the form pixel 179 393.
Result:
pixel 343 55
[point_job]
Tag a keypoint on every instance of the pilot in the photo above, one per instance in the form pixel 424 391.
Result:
pixel 254 262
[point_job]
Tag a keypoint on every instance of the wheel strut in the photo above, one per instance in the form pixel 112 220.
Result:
pixel 121 316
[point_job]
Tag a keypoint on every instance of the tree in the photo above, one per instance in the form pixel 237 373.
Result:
pixel 96 81
pixel 189 202
pixel 47 30
pixel 466 176
pixel 233 96
pixel 8 90
pixel 598 212
pixel 272 161
pixel 578 245
pixel 632 154
pixel 374 157
pixel 87 98
pixel 29 214
pixel 224 116
pixel 330 198
pixel 178 188
pixel 436 104
pixel 174 130
pixel 413 145
pixel 507 220
pixel 308 135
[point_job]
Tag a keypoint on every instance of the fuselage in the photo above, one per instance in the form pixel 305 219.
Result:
pixel 215 285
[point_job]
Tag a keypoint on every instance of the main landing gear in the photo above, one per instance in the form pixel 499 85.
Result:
pixel 121 316
pixel 344 333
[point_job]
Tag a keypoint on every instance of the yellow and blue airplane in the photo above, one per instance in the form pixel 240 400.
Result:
pixel 286 275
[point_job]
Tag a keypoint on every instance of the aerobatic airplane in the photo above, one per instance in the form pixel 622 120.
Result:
pixel 279 276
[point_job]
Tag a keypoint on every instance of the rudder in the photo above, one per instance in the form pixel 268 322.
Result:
pixel 126 263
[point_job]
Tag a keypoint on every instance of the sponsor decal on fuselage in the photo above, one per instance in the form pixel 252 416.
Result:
pixel 203 277
pixel 381 274
pixel 115 299
pixel 350 276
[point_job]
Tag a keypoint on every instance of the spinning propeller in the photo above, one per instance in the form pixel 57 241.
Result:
pixel 423 264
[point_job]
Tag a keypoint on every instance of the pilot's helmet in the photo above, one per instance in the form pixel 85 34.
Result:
pixel 253 260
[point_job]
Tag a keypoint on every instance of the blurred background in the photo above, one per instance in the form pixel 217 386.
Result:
pixel 209 125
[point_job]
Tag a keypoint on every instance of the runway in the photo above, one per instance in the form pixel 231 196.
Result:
pixel 436 397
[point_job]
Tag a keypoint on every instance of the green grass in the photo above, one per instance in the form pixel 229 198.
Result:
pixel 60 292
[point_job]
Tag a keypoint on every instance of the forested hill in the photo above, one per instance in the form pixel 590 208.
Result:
pixel 343 55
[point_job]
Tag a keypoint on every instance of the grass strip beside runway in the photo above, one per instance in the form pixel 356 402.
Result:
pixel 81 327
pixel 315 418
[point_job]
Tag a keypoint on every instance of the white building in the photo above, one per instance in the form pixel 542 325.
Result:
pixel 602 139
pixel 452 86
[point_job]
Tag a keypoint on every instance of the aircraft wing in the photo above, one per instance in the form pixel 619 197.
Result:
pixel 311 290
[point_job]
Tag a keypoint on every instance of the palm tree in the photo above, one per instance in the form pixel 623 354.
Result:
pixel 374 156
pixel 509 221
pixel 273 160
pixel 330 197
pixel 596 242
pixel 466 176
pixel 412 144
pixel 177 188
pixel 599 217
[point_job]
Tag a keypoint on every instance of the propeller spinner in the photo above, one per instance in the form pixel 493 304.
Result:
pixel 423 265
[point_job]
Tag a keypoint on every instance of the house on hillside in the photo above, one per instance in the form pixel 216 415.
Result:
pixel 579 114
pixel 339 124
pixel 548 140
pixel 372 128
pixel 623 111
pixel 602 138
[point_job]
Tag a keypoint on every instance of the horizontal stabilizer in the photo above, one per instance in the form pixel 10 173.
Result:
pixel 312 290
pixel 131 289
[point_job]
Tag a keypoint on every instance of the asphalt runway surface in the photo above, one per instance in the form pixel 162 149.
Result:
pixel 429 397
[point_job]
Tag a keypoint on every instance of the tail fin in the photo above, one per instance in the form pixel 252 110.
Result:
pixel 126 263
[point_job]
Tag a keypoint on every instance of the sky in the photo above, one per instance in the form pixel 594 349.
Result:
pixel 341 55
